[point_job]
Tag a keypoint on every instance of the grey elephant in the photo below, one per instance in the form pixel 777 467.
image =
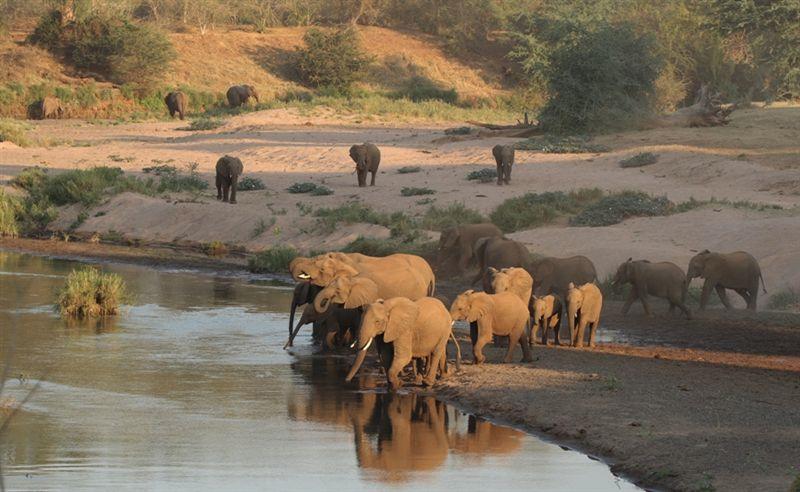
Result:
pixel 738 271
pixel 664 279
pixel 238 95
pixel 367 158
pixel 553 275
pixel 504 157
pixel 228 171
pixel 498 253
pixel 176 102
pixel 458 243
pixel 49 107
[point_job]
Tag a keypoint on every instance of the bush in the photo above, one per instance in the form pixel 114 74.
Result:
pixel 424 89
pixel 204 123
pixel 603 80
pixel 615 208
pixel 552 144
pixel 484 175
pixel 406 191
pixel 215 248
pixel 455 214
pixel 250 184
pixel 349 213
pixel 409 170
pixel 784 300
pixel 273 260
pixel 459 130
pixel 305 187
pixel 331 59
pixel 88 292
pixel 535 209
pixel 10 208
pixel 639 160
pixel 14 132
pixel 321 190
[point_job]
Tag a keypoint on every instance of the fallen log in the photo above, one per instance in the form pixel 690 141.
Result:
pixel 706 111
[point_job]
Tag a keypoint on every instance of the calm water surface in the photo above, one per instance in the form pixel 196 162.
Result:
pixel 190 390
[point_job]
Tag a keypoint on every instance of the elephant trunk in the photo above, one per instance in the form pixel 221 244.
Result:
pixel 458 350
pixel 362 354
pixel 322 301
pixel 571 315
pixel 291 323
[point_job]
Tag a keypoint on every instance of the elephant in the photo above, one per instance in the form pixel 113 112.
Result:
pixel 238 95
pixel 459 243
pixel 367 158
pixel 546 312
pixel 49 107
pixel 228 171
pixel 738 271
pixel 553 275
pixel 514 279
pixel 584 304
pixel 498 252
pixel 176 102
pixel 664 279
pixel 419 328
pixel 504 157
pixel 501 314
pixel 335 324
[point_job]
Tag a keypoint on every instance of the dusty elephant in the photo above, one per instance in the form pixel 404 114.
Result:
pixel 367 158
pixel 553 275
pixel 504 157
pixel 238 95
pixel 49 107
pixel 515 280
pixel 459 243
pixel 546 312
pixel 738 271
pixel 498 252
pixel 664 279
pixel 228 171
pixel 416 329
pixel 176 102
pixel 584 304
pixel 495 314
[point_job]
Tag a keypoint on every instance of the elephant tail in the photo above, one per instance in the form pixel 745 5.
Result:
pixel 432 288
pixel 763 287
pixel 458 350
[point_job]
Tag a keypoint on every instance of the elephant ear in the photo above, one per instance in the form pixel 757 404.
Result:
pixel 296 266
pixel 363 291
pixel 331 268
pixel 450 238
pixel 480 304
pixel 402 317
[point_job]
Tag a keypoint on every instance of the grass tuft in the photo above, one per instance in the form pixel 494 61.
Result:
pixel 204 123
pixel 250 184
pixel 639 160
pixel 484 175
pixel 15 132
pixel 411 191
pixel 273 260
pixel 305 187
pixel 551 144
pixel 455 214
pixel 216 249
pixel 10 208
pixel 89 292
pixel 784 300
pixel 409 169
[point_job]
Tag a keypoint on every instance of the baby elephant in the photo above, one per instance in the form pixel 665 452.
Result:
pixel 228 171
pixel 367 158
pixel 546 312
pixel 504 156
pixel 584 304
pixel 664 279
pixel 176 103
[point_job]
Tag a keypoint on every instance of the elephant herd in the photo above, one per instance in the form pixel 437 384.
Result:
pixel 177 102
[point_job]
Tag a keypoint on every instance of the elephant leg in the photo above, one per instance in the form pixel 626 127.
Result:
pixel 629 302
pixel 463 260
pixel 522 339
pixel 706 292
pixel 535 329
pixel 393 373
pixel 226 186
pixel 752 304
pixel 477 348
pixel 362 178
pixel 593 332
pixel 499 174
pixel 372 182
pixel 435 361
pixel 330 340
pixel 678 302
pixel 580 329
pixel 219 187
pixel 645 304
pixel 723 296
pixel 556 329
pixel 234 184
pixel 507 177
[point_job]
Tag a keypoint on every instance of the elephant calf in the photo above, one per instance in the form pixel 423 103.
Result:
pixel 504 157
pixel 176 102
pixel 546 312
pixel 238 95
pixel 664 279
pixel 584 304
pixel 228 171
pixel 367 158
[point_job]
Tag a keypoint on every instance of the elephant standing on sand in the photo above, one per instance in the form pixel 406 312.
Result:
pixel 546 312
pixel 367 158
pixel 176 102
pixel 228 171
pixel 664 279
pixel 738 271
pixel 238 95
pixel 504 157
pixel 553 275
pixel 459 243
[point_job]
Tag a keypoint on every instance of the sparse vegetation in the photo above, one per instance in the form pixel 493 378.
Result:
pixel 305 187
pixel 80 219
pixel 536 209
pixel 409 169
pixel 455 214
pixel 614 208
pixel 459 130
pixel 639 160
pixel 89 292
pixel 15 132
pixel 331 59
pixel 216 248
pixel 204 123
pixel 273 260
pixel 250 184
pixel 10 207
pixel 419 89
pixel 788 299
pixel 554 144
pixel 261 227
pixel 412 191
pixel 321 190
pixel 484 175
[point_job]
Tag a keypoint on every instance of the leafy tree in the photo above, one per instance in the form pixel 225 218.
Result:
pixel 331 59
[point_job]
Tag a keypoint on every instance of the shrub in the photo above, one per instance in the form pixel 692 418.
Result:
pixel 784 300
pixel 14 131
pixel 552 144
pixel 305 187
pixel 321 190
pixel 406 191
pixel 88 292
pixel 455 214
pixel 204 123
pixel 250 184
pixel 484 175
pixel 613 209
pixel 409 170
pixel 419 88
pixel 331 59
pixel 88 186
pixel 215 248
pixel 535 209
pixel 177 183
pixel 273 260
pixel 349 213
pixel 639 160
pixel 459 130
pixel 10 208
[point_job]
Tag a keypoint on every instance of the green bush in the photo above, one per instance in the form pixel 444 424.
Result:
pixel 536 209
pixel 88 292
pixel 348 213
pixel 250 184
pixel 10 208
pixel 554 144
pixel 332 59
pixel 639 160
pixel 409 170
pixel 484 175
pixel 411 191
pixel 321 190
pixel 305 187
pixel 204 123
pixel 784 300
pixel 273 260
pixel 613 209
pixel 459 130
pixel 14 131
pixel 424 89
pixel 455 214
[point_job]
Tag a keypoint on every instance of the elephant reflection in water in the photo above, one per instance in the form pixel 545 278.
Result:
pixel 484 438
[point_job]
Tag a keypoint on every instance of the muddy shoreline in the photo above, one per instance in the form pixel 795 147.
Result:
pixel 671 414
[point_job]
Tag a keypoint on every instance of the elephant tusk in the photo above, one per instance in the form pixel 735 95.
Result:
pixel 304 276
pixel 369 342
pixel 353 345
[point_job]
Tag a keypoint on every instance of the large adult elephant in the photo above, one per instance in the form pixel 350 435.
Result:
pixel 663 279
pixel 176 102
pixel 227 180
pixel 367 157
pixel 553 275
pixel 498 253
pixel 458 243
pixel 49 107
pixel 738 271
pixel 335 325
pixel 238 95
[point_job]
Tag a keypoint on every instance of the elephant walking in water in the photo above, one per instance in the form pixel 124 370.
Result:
pixel 738 271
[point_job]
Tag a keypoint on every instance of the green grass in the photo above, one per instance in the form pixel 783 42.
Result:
pixel 614 208
pixel 455 214
pixel 459 130
pixel 411 191
pixel 304 187
pixel 273 260
pixel 10 208
pixel 692 204
pixel 551 144
pixel 348 213
pixel 639 160
pixel 88 292
pixel 204 123
pixel 15 132
pixel 321 190
pixel 409 169
pixel 536 209
pixel 693 297
pixel 784 300
pixel 250 184
pixel 484 175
